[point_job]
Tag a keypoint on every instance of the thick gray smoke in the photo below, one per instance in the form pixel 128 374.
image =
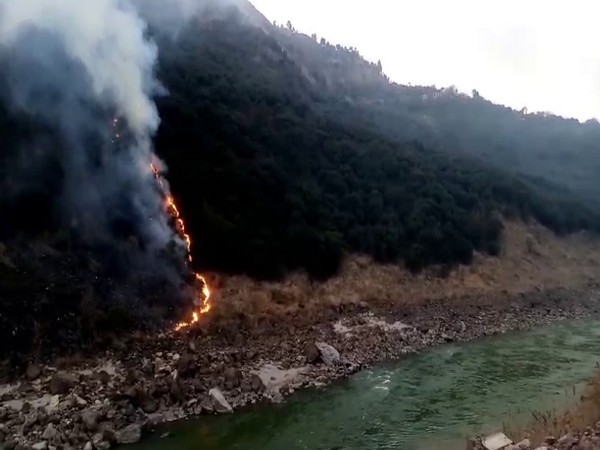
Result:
pixel 73 66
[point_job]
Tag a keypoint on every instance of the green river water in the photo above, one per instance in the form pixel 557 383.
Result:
pixel 429 401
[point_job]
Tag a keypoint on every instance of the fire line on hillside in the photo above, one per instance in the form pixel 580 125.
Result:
pixel 201 286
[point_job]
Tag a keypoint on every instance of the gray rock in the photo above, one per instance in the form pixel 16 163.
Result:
pixel 88 446
pixel 61 383
pixel 232 378
pixel 312 354
pixel 99 442
pixel 525 444
pixel 329 355
pixel 257 384
pixel 90 417
pixel 50 433
pixel 33 372
pixel 207 404
pixel 40 446
pixel 129 435
pixel 219 402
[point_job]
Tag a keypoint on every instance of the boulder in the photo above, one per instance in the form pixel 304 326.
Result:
pixel 50 433
pixel 219 402
pixel 525 444
pixel 312 354
pixel 88 446
pixel 186 365
pixel 99 443
pixel 257 384
pixel 33 372
pixel 61 383
pixel 232 378
pixel 176 391
pixel 40 446
pixel 129 435
pixel 90 417
pixel 329 355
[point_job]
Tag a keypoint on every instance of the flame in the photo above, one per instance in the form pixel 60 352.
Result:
pixel 203 291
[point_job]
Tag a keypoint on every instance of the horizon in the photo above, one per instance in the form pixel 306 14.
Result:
pixel 512 55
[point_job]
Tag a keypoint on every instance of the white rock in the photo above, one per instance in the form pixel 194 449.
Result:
pixel 40 446
pixel 79 400
pixel 54 401
pixel 219 402
pixel 129 435
pixel 329 355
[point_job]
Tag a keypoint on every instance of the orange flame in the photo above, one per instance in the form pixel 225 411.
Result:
pixel 204 291
pixel 171 208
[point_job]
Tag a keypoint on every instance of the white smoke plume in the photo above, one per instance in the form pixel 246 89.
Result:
pixel 73 66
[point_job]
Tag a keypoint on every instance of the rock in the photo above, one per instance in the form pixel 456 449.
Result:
pixel 329 355
pixel 99 442
pixel 88 446
pixel 40 446
pixel 89 417
pixel 33 372
pixel 54 401
pixel 61 383
pixel 2 436
pixel 550 440
pixel 102 376
pixel 525 444
pixel 566 442
pixel 312 354
pixel 232 378
pixel 79 401
pixel 129 435
pixel 257 384
pixel 176 392
pixel 50 433
pixel 186 365
pixel 149 405
pixel 207 405
pixel 219 402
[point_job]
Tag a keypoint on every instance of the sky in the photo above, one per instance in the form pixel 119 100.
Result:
pixel 543 55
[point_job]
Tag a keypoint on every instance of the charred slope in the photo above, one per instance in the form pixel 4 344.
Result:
pixel 276 170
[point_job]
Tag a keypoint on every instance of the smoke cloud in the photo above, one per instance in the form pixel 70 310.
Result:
pixel 72 67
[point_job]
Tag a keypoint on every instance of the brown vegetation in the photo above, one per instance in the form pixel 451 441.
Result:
pixel 533 259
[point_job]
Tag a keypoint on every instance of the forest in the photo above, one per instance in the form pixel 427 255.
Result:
pixel 279 167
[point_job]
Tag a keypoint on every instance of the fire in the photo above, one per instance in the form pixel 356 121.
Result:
pixel 203 291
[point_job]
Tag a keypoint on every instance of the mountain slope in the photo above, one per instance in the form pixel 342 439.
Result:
pixel 277 168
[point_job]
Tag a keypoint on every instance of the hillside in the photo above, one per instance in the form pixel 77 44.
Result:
pixel 287 153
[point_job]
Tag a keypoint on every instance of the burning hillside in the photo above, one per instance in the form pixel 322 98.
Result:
pixel 202 300
pixel 74 77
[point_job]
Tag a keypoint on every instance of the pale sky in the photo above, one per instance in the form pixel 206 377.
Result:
pixel 544 55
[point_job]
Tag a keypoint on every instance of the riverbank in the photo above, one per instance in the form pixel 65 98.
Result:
pixel 154 379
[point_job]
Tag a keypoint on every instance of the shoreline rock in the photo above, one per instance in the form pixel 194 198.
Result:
pixel 173 376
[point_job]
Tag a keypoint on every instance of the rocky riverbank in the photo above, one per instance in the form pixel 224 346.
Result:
pixel 148 380
pixel 588 439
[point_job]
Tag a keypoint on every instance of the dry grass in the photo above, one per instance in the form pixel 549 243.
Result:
pixel 586 413
pixel 533 258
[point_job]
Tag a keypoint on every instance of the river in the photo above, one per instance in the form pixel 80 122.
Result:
pixel 429 401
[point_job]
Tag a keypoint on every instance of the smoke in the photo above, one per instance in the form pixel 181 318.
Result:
pixel 71 67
